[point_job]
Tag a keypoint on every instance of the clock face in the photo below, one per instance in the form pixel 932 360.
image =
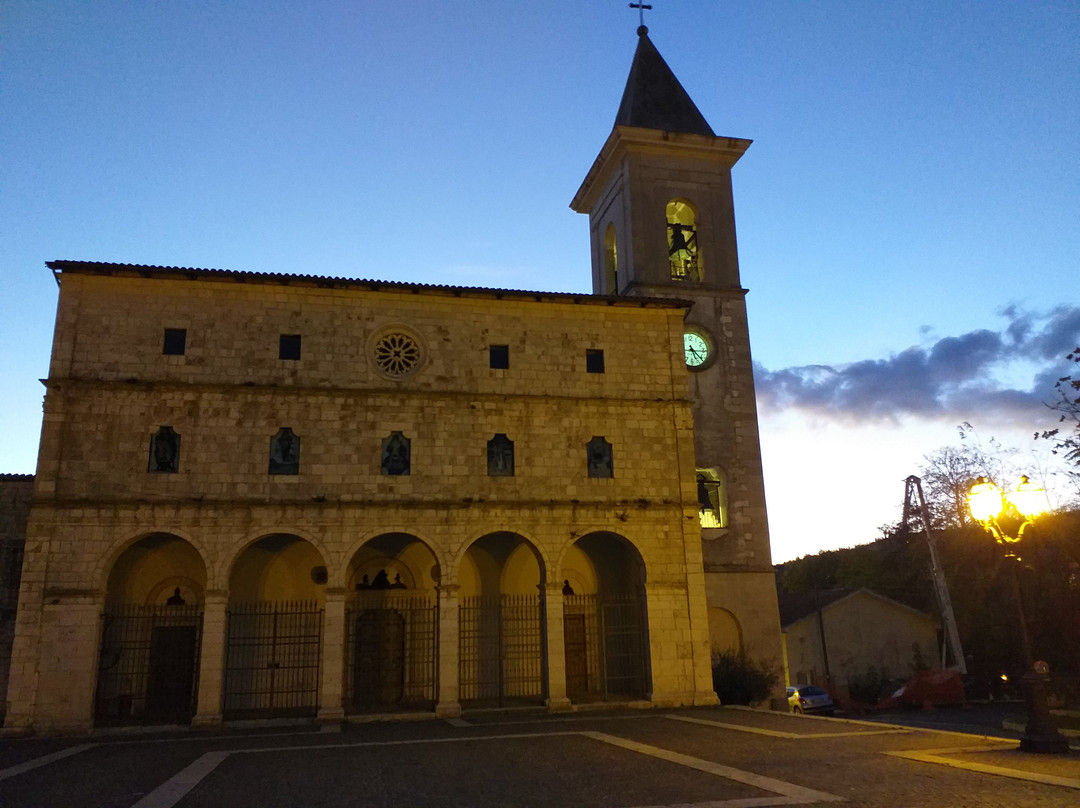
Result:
pixel 697 349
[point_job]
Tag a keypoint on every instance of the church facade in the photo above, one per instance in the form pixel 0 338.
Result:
pixel 280 495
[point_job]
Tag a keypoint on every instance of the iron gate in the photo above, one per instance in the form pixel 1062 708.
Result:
pixel 148 670
pixel 392 651
pixel 605 647
pixel 501 648
pixel 272 655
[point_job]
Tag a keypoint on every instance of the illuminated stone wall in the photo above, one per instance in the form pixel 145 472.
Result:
pixel 111 388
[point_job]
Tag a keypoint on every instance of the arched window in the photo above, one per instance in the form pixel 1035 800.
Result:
pixel 500 452
pixel 164 451
pixel 611 262
pixel 682 241
pixel 712 498
pixel 396 455
pixel 598 458
pixel 285 452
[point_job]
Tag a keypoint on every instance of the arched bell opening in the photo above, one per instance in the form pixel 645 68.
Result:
pixel 611 261
pixel 273 646
pixel 605 625
pixel 684 257
pixel 151 634
pixel 501 622
pixel 392 617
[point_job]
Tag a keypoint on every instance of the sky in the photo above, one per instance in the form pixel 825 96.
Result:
pixel 908 214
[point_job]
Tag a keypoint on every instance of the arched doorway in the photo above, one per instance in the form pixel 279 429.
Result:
pixel 501 626
pixel 604 619
pixel 151 634
pixel 392 619
pixel 273 644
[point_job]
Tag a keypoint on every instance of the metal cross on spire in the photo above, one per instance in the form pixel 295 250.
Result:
pixel 642 8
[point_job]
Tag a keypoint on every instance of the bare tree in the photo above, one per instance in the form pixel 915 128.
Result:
pixel 1067 402
pixel 948 473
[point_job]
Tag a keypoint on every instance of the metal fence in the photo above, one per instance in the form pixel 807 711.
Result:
pixel 148 669
pixel 501 649
pixel 606 651
pixel 391 652
pixel 272 656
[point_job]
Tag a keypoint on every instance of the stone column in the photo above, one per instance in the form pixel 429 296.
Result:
pixel 671 650
pixel 555 647
pixel 449 703
pixel 68 661
pixel 211 659
pixel 332 665
pixel 26 646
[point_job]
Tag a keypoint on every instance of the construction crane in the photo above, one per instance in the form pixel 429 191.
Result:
pixel 914 500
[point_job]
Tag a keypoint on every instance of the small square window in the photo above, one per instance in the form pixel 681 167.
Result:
pixel 175 342
pixel 499 356
pixel 289 346
pixel 594 360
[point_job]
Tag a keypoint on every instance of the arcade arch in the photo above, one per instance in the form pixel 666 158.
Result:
pixel 501 621
pixel 151 633
pixel 273 647
pixel 605 632
pixel 392 625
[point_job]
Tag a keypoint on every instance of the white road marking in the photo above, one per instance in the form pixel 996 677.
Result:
pixel 44 760
pixel 177 787
pixel 775 733
pixel 797 795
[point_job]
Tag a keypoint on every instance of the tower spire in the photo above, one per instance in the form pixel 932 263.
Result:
pixel 654 98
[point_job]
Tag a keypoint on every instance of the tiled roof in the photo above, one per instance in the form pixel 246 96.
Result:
pixel 59 268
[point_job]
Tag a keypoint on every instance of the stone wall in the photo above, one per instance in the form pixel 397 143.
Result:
pixel 15 493
pixel 111 388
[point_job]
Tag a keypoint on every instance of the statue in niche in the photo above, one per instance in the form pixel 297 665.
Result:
pixel 500 456
pixel 285 452
pixel 164 451
pixel 381 581
pixel 598 454
pixel 176 599
pixel 395 455
pixel 566 588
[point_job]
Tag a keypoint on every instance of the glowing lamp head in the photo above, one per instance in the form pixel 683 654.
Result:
pixel 1029 499
pixel 985 500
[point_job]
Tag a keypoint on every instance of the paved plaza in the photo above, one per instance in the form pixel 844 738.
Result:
pixel 705 758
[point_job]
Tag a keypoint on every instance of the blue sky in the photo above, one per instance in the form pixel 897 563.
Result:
pixel 907 214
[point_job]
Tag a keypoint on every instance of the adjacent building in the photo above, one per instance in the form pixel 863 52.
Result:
pixel 836 636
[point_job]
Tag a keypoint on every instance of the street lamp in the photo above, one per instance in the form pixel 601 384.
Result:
pixel 988 504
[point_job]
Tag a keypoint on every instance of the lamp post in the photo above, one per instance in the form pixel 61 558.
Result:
pixel 988 504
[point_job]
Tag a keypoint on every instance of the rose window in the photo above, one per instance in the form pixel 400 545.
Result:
pixel 397 355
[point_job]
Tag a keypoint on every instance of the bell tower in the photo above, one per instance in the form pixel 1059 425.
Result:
pixel 662 222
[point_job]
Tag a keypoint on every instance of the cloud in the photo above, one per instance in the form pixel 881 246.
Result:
pixel 956 376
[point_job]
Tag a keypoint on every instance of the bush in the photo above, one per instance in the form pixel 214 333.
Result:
pixel 737 679
pixel 870 687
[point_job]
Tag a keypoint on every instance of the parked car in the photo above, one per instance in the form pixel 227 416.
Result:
pixel 809 699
